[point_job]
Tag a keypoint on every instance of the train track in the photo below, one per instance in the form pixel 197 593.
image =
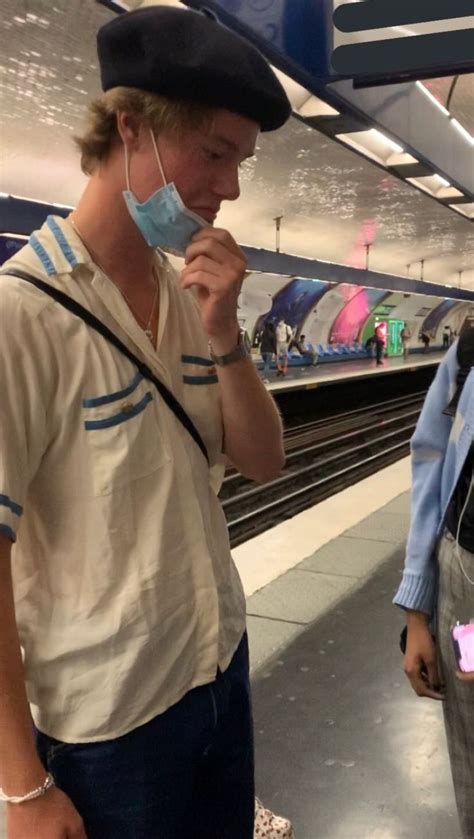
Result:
pixel 323 457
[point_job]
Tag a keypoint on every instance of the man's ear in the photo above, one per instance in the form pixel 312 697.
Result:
pixel 128 129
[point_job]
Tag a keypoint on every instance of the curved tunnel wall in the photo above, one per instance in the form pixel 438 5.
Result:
pixel 318 324
pixel 294 301
pixel 438 318
pixel 348 324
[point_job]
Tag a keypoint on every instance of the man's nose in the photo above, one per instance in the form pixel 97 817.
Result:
pixel 227 184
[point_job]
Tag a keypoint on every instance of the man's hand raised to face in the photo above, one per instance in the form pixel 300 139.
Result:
pixel 216 266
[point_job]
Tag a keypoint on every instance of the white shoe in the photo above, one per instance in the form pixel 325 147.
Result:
pixel 270 826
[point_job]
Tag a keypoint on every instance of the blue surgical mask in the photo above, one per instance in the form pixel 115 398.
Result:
pixel 163 220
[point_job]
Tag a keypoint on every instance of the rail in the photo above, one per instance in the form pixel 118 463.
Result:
pixel 329 455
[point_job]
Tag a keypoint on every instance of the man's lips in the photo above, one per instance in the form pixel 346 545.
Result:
pixel 207 213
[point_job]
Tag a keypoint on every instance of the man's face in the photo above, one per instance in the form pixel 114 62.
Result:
pixel 203 164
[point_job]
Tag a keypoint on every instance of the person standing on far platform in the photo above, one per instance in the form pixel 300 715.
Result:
pixel 425 338
pixel 284 334
pixel 120 589
pixel 268 348
pixel 437 588
pixel 405 336
pixel 379 345
pixel 446 337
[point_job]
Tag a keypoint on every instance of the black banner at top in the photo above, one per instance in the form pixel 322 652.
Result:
pixel 378 14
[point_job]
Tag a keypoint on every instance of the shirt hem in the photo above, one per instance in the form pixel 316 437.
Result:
pixel 59 734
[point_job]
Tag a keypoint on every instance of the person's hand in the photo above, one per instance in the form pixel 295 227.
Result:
pixel 420 664
pixel 53 816
pixel 216 266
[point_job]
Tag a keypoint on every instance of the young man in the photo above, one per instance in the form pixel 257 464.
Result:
pixel 283 334
pixel 128 607
pixel 304 349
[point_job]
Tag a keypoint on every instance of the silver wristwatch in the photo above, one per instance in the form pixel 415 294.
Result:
pixel 242 350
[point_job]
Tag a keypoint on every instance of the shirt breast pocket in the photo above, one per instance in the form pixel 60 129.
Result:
pixel 123 436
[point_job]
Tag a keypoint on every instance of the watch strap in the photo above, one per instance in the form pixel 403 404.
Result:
pixel 237 354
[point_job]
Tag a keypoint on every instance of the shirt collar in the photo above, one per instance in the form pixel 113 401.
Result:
pixel 59 248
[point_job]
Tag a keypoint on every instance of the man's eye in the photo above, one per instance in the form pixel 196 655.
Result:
pixel 213 155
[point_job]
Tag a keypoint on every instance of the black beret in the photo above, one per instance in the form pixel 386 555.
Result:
pixel 183 54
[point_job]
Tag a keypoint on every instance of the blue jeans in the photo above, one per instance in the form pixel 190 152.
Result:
pixel 187 774
pixel 267 361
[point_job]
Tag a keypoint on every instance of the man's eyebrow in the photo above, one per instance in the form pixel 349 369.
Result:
pixel 232 146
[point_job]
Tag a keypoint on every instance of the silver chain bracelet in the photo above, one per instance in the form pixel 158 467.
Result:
pixel 36 793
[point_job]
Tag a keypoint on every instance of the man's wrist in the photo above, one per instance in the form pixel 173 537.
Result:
pixel 226 342
pixel 21 782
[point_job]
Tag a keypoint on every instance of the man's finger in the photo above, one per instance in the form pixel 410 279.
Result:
pixel 202 263
pixel 208 247
pixel 221 236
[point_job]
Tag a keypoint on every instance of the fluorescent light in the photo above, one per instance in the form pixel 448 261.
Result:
pixel 372 143
pixel 463 131
pixel 450 192
pixel 466 210
pixel 302 101
pixel 403 159
pixel 436 186
pixel 4 195
pixel 315 107
pixel 433 98
pixel 14 236
pixel 297 94
pixel 394 146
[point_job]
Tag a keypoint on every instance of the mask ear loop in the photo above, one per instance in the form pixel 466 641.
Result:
pixel 127 162
pixel 456 548
pixel 158 158
pixel 127 174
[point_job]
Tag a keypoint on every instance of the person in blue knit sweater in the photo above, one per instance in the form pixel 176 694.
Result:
pixel 437 587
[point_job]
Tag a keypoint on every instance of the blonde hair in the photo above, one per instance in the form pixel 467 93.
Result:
pixel 159 113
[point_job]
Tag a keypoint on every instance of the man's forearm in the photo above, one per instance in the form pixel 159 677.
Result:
pixel 20 768
pixel 252 424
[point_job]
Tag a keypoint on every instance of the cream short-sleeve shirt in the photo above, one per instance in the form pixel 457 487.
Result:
pixel 126 594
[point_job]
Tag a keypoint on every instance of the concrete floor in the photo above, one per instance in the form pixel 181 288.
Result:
pixel 344 748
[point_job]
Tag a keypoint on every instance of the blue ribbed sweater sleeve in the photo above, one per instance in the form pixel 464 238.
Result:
pixel 429 447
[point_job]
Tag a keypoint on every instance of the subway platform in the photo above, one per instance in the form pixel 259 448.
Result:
pixel 344 747
pixel 337 371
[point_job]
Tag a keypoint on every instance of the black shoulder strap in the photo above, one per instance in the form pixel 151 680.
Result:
pixel 465 358
pixel 87 316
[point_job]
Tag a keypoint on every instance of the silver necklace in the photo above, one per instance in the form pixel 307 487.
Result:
pixel 147 328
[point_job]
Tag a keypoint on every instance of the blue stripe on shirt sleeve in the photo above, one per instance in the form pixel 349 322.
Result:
pixel 8 531
pixel 6 501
